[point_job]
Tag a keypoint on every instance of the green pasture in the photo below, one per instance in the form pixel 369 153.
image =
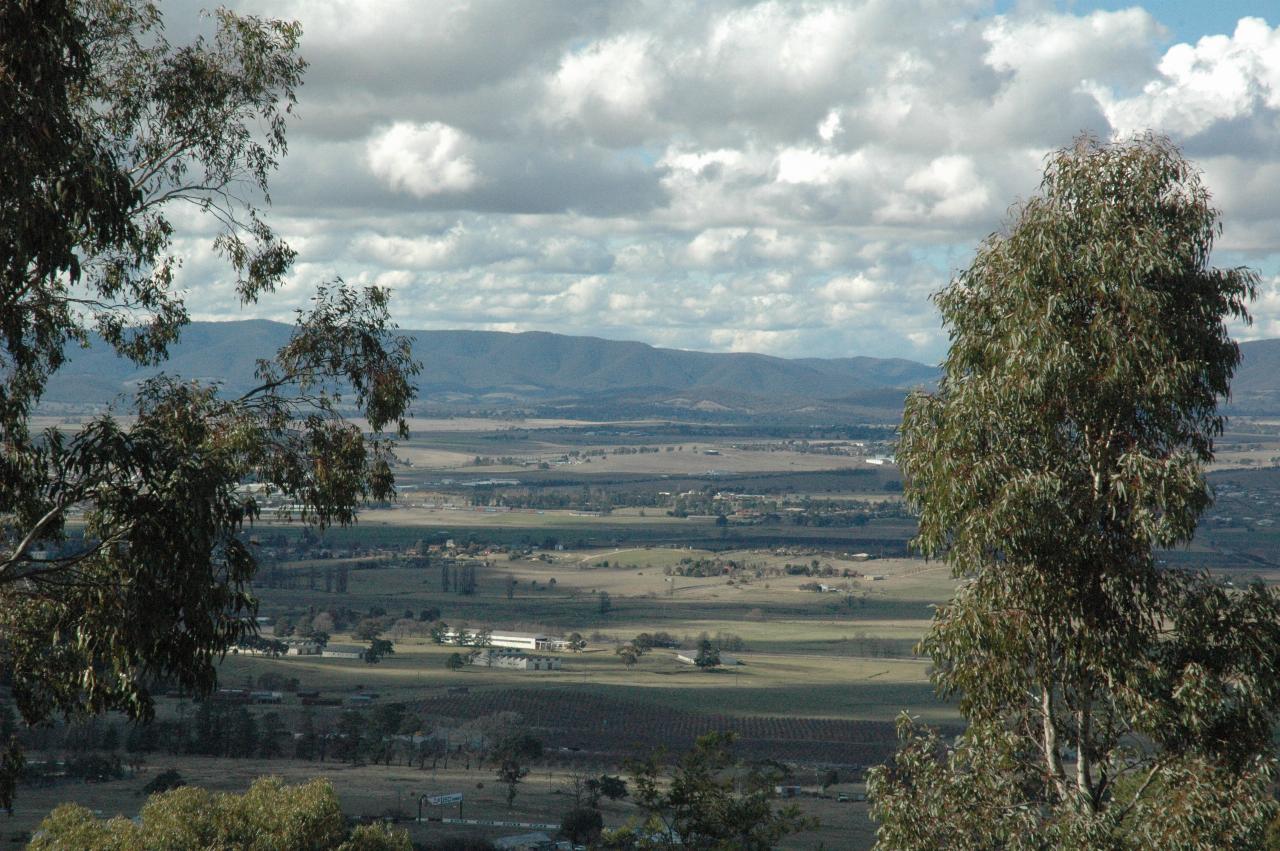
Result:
pixel 808 654
pixel 791 685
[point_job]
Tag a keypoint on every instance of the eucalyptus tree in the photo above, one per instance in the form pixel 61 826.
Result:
pixel 112 136
pixel 511 755
pixel 1112 701
pixel 269 814
pixel 711 801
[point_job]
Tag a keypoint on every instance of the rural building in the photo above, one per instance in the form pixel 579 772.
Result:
pixel 513 640
pixel 515 661
pixel 691 658
pixel 342 651
pixel 301 647
pixel 266 697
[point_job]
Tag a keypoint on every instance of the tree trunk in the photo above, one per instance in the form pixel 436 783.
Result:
pixel 1053 759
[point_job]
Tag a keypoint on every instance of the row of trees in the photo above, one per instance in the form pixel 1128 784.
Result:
pixel 460 578
pixel 214 729
pixel 710 800
pixel 330 579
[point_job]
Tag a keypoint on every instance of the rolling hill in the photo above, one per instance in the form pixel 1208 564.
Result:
pixel 1256 387
pixel 590 377
pixel 493 370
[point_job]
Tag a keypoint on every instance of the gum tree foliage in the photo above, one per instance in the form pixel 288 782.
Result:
pixel 511 756
pixel 111 134
pixel 582 825
pixel 711 801
pixel 708 657
pixel 269 815
pixel 378 649
pixel 1112 701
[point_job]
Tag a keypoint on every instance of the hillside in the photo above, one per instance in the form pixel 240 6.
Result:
pixel 585 376
pixel 1256 387
pixel 591 377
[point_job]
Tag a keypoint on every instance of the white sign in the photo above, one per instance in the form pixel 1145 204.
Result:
pixel 444 800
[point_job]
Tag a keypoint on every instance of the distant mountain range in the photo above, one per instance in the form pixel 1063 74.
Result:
pixel 541 373
pixel 538 372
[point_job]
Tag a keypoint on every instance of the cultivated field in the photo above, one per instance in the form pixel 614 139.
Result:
pixel 822 614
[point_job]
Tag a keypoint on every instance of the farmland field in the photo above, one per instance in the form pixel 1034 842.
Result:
pixel 789 556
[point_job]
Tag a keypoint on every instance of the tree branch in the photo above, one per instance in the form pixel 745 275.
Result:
pixel 1137 796
pixel 33 535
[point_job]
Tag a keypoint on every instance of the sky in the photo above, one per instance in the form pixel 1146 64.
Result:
pixel 794 178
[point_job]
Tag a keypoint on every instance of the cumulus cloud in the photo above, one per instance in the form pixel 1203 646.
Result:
pixel 788 177
pixel 608 89
pixel 423 159
pixel 1218 79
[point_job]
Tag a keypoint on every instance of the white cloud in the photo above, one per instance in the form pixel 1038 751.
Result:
pixel 948 188
pixel 1219 78
pixel 806 165
pixel 850 288
pixel 609 87
pixel 829 127
pixel 423 159
pixel 429 252
pixel 793 177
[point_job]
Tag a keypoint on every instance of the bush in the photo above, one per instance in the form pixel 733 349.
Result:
pixel 582 825
pixel 163 782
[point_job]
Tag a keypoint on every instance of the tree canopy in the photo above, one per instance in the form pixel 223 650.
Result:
pixel 270 815
pixel 711 801
pixel 109 130
pixel 511 755
pixel 1112 700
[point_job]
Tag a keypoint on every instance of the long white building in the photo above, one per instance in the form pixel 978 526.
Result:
pixel 516 661
pixel 514 640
